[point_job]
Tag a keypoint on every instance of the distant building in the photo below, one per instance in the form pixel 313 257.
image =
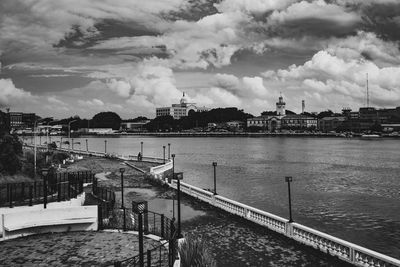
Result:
pixel 20 120
pixel 133 126
pixel 235 125
pixel 295 121
pixel 328 124
pixel 269 122
pixel 180 110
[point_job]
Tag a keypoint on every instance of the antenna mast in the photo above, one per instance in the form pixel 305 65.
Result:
pixel 367 92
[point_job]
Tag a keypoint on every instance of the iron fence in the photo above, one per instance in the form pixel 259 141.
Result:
pixel 58 187
pixel 113 216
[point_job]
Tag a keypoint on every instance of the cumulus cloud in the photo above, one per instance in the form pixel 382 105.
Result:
pixel 121 88
pixel 246 87
pixel 10 95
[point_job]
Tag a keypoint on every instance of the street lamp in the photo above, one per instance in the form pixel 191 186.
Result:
pixel 69 135
pixel 289 179
pixel 34 153
pixel 164 154
pixel 105 146
pixel 215 177
pixel 141 148
pixel 87 146
pixel 140 208
pixel 169 151
pixel 122 170
pixel 179 195
pixel 45 172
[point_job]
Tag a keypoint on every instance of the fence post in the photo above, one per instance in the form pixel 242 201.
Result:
pixel 30 194
pixel 148 258
pixel 100 216
pixel 59 192
pixel 162 226
pixel 124 218
pixel 9 197
pixel 23 192
pixel 69 190
pixel 80 186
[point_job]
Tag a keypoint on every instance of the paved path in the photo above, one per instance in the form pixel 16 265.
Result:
pixel 71 249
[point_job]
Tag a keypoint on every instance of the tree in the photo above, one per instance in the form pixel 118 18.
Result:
pixel 162 123
pixel 323 114
pixel 10 151
pixel 106 120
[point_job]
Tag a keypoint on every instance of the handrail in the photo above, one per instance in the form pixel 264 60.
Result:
pixel 345 250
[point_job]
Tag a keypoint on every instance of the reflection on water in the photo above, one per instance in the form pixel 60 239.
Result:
pixel 345 187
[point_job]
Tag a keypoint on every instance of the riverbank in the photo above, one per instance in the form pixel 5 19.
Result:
pixel 232 240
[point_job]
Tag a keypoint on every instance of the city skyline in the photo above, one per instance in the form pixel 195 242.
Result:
pixel 69 57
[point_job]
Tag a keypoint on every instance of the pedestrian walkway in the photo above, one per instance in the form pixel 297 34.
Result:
pixel 71 249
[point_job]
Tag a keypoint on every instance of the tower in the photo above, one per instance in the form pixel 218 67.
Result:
pixel 183 99
pixel 280 107
pixel 303 106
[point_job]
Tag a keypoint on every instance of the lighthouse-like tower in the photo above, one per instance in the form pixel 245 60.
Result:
pixel 280 107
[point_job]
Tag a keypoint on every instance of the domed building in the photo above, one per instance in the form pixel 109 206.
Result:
pixel 180 110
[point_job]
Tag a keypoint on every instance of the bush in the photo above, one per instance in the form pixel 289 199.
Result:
pixel 194 252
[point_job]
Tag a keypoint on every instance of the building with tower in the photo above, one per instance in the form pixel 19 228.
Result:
pixel 280 107
pixel 180 110
pixel 270 122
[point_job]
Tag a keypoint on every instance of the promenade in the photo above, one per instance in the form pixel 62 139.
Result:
pixel 71 249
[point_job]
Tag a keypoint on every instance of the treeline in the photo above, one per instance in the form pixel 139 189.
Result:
pixel 197 119
pixel 100 120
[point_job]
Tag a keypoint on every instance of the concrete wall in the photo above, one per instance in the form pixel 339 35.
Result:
pixel 62 219
pixel 75 202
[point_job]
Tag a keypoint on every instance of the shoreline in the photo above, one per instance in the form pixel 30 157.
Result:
pixel 224 134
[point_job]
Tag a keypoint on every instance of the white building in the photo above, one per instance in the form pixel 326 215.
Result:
pixel 270 122
pixel 180 110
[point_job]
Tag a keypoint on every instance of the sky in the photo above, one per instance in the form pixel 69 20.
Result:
pixel 80 57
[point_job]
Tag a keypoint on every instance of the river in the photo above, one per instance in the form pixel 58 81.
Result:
pixel 349 188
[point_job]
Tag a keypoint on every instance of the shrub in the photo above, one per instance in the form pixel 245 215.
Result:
pixel 194 252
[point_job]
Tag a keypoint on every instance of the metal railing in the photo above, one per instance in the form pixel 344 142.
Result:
pixel 58 187
pixel 344 250
pixel 113 216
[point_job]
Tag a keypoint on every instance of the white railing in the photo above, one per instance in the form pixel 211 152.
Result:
pixel 344 250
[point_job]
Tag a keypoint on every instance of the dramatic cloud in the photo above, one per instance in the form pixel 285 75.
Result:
pixel 130 55
pixel 10 95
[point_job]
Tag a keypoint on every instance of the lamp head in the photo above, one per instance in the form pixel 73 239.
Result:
pixel 173 155
pixel 44 171
pixel 288 179
pixel 121 170
pixel 214 164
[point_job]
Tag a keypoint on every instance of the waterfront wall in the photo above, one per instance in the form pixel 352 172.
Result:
pixel 344 250
pixel 63 219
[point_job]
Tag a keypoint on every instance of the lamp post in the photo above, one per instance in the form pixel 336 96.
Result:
pixel 289 179
pixel 141 148
pixel 179 196
pixel 215 177
pixel 69 135
pixel 45 172
pixel 61 142
pixel 140 208
pixel 34 153
pixel 122 170
pixel 169 151
pixel 87 146
pixel 105 146
pixel 72 144
pixel 164 154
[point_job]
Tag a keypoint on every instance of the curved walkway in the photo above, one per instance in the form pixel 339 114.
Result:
pixel 71 249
